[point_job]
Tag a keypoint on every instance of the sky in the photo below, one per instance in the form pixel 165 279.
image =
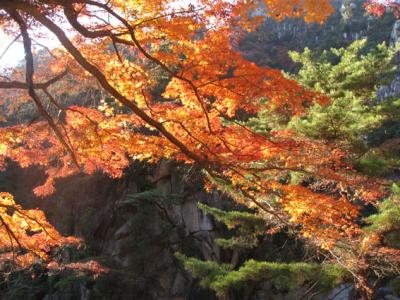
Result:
pixel 14 54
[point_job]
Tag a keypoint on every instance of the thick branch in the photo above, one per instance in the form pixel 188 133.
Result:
pixel 37 86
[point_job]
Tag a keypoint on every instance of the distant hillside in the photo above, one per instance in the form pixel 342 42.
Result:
pixel 270 43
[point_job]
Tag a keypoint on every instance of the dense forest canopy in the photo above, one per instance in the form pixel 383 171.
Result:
pixel 170 84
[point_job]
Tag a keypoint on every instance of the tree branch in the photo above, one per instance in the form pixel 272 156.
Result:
pixel 29 82
pixel 92 69
pixel 37 86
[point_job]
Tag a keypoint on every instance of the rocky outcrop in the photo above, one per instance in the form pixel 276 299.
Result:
pixel 134 226
pixel 137 240
pixel 389 91
pixel 347 9
pixel 270 43
pixel 393 89
pixel 395 34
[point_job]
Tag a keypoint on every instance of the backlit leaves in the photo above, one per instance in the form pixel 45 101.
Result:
pixel 25 235
pixel 129 48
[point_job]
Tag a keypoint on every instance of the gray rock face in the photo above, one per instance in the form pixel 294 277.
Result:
pixel 389 91
pixel 347 9
pixel 393 89
pixel 141 239
pixel 395 35
pixel 270 43
pixel 343 292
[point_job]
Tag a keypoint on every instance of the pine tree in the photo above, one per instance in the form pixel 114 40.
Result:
pixel 285 277
pixel 352 119
pixel 386 221
pixel 350 78
pixel 248 226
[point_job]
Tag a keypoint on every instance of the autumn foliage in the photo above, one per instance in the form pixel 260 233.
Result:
pixel 26 236
pixel 379 7
pixel 208 82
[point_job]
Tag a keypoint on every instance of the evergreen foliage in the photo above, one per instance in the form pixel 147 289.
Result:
pixel 284 276
pixel 248 226
pixel 388 217
pixel 353 119
pixel 222 277
pixel 350 79
pixel 390 109
pixel 151 196
pixel 233 219
pixel 338 71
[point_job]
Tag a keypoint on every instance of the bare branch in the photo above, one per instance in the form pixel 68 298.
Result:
pixel 29 81
pixel 9 45
pixel 37 86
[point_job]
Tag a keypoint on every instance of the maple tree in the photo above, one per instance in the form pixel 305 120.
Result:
pixel 120 46
pixel 27 231
pixel 379 7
